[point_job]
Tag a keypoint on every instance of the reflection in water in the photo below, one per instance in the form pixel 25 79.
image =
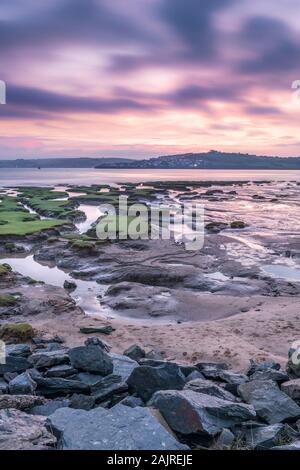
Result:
pixel 282 272
pixel 85 294
pixel 92 215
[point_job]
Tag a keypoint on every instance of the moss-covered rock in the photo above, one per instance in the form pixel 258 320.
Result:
pixel 16 332
pixel 4 269
pixel 7 301
pixel 238 224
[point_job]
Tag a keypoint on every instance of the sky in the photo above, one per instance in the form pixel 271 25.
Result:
pixel 140 78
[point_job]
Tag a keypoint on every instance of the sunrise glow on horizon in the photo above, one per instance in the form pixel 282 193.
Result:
pixel 143 78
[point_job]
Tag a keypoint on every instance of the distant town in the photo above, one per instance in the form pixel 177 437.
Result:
pixel 208 160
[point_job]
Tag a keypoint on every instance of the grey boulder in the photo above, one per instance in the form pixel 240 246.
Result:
pixel 91 359
pixel 45 359
pixel 107 387
pixel 269 402
pixel 123 365
pixel 189 412
pixel 209 388
pixel 17 364
pixel 120 428
pixel 135 352
pixel 266 437
pixel 58 386
pixel 292 389
pixel 22 385
pixel 21 431
pixel 144 381
pixel 48 408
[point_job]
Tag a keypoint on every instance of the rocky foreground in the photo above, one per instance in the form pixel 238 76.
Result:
pixel 87 398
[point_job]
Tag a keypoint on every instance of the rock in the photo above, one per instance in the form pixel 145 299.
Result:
pixel 209 388
pixel 105 330
pixel 21 431
pixel 46 359
pixel 49 408
pixel 293 365
pixel 155 354
pixel 266 437
pixel 9 376
pixel 225 440
pixel 189 412
pixel 292 446
pixel 132 402
pixel 63 371
pixel 57 386
pixel 238 224
pixel 211 370
pixel 292 389
pixel 70 286
pixel 187 370
pixel 22 385
pixel 123 365
pixel 53 339
pixel 194 376
pixel 91 359
pixel 22 350
pixel 270 404
pixel 215 227
pixel 145 380
pixel 135 352
pixel 3 386
pixel 261 367
pixel 20 402
pixel 16 332
pixel 270 374
pixel 121 428
pixel 82 402
pixel 88 379
pixel 94 341
pixel 14 364
pixel 107 387
pixel 232 378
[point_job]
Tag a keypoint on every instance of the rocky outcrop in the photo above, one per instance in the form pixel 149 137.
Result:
pixel 122 428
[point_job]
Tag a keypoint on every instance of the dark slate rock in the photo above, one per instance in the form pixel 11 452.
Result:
pixel 188 370
pixel 91 359
pixel 94 341
pixel 194 376
pixel 49 408
pixel 135 352
pixel 88 379
pixel 262 366
pixel 225 440
pixel 14 364
pixel 132 402
pixel 155 354
pixel 54 339
pixel 266 437
pixel 270 374
pixel 105 330
pixel 293 365
pixel 188 412
pixel 22 350
pixel 9 376
pixel 270 404
pixel 22 385
pixel 82 402
pixel 45 359
pixel 209 388
pixel 120 428
pixel 232 380
pixel 292 389
pixel 123 365
pixel 65 370
pixel 211 370
pixel 57 386
pixel 107 387
pixel 3 386
pixel 145 380
pixel 70 286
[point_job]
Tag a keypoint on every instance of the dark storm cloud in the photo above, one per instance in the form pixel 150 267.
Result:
pixel 35 98
pixel 69 21
pixel 271 46
pixel 192 21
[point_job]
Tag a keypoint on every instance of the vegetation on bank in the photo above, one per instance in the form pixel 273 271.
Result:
pixel 16 220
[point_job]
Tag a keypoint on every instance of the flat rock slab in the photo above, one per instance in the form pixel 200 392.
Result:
pixel 189 412
pixel 269 402
pixel 20 431
pixel 20 402
pixel 123 365
pixel 120 428
pixel 292 389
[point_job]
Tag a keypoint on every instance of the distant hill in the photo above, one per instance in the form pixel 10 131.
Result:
pixel 212 160
pixel 59 162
